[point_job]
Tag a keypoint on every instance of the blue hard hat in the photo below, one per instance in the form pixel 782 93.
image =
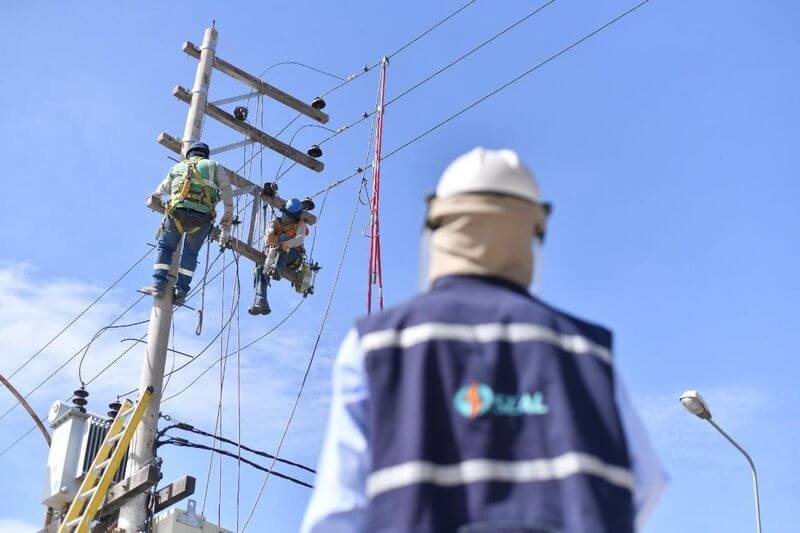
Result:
pixel 198 148
pixel 294 207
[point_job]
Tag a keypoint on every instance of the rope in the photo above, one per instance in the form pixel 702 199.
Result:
pixel 311 358
pixel 375 273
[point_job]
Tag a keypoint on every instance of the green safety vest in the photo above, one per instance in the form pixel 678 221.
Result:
pixel 194 185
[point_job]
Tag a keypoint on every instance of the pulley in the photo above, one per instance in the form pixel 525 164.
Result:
pixel 79 398
pixel 240 113
pixel 318 103
pixel 314 151
pixel 308 203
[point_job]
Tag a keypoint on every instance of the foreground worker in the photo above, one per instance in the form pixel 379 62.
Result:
pixel 476 407
pixel 284 248
pixel 195 187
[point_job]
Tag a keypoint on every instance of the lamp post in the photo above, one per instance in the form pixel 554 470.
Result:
pixel 695 404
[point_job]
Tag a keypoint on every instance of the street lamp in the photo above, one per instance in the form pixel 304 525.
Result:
pixel 695 404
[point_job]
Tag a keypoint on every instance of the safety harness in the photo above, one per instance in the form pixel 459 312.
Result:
pixel 191 191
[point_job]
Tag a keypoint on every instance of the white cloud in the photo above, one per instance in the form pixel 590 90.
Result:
pixel 16 526
pixel 33 309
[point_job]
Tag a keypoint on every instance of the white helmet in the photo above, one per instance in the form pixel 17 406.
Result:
pixel 489 171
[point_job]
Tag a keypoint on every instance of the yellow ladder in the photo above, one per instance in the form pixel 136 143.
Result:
pixel 98 478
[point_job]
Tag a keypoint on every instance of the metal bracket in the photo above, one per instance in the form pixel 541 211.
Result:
pixel 190 517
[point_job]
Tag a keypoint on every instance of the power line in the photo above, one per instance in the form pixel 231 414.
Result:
pixel 114 361
pixel 488 95
pixel 183 426
pixel 313 351
pixel 243 348
pixel 70 359
pixel 441 69
pixel 403 47
pixel 100 332
pixel 79 315
pixel 183 443
pixel 85 347
pixel 363 71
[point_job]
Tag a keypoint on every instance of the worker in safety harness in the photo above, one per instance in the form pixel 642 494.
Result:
pixel 477 407
pixel 284 250
pixel 195 187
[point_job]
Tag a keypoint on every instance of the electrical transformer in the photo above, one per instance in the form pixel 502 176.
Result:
pixel 76 438
pixel 188 521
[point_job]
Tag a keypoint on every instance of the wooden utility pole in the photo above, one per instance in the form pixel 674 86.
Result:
pixel 133 513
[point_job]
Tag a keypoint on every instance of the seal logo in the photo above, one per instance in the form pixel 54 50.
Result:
pixel 474 399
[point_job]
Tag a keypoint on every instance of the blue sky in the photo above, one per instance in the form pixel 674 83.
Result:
pixel 666 144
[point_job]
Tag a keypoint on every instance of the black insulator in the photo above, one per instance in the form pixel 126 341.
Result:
pixel 308 203
pixel 314 151
pixel 240 113
pixel 113 409
pixel 79 399
pixel 236 221
pixel 318 103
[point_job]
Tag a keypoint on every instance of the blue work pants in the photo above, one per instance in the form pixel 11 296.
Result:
pixel 196 226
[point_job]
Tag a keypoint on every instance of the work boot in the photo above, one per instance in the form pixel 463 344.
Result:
pixel 259 308
pixel 153 290
pixel 180 297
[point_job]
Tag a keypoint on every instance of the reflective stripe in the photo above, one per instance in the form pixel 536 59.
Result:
pixel 493 332
pixel 478 470
pixel 185 272
pixel 160 266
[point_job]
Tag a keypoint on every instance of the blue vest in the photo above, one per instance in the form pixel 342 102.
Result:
pixel 491 411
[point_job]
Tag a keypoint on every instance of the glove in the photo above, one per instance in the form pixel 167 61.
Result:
pixel 268 190
pixel 283 238
pixel 153 200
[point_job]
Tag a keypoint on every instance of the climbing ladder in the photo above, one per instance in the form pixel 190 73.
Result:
pixel 97 481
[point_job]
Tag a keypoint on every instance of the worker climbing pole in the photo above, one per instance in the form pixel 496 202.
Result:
pixel 375 270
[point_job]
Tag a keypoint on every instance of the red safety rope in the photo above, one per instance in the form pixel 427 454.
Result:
pixel 375 270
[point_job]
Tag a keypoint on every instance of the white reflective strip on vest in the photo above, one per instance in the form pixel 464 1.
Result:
pixel 160 266
pixel 492 332
pixel 185 272
pixel 482 470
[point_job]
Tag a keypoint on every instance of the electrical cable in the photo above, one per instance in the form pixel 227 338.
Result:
pixel 311 358
pixel 490 94
pixel 367 68
pixel 441 70
pixel 140 339
pixel 71 358
pixel 403 47
pixel 183 443
pixel 79 315
pixel 212 365
pixel 183 426
pixel 96 335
